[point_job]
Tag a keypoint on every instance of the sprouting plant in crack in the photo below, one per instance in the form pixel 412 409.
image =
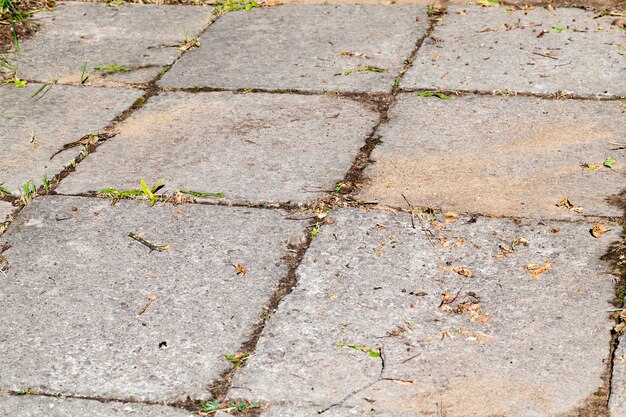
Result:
pixel 209 406
pixel 237 359
pixel 84 77
pixel 16 82
pixel 3 190
pixel 27 191
pixel 315 231
pixel 112 68
pixel 189 43
pixel 43 90
pixel 371 69
pixel 374 353
pixel 149 193
pixel 231 5
pixel 201 194
pixel 46 184
pixel 434 94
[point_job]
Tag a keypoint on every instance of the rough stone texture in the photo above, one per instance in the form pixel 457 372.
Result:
pixel 33 129
pixel 140 37
pixel 299 47
pixel 77 282
pixel 253 147
pixel 5 210
pixel 372 280
pixel 617 401
pixel 487 49
pixel 39 406
pixel 516 156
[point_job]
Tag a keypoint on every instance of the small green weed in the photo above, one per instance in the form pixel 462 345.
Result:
pixel 29 189
pixel 209 407
pixel 46 184
pixel 113 68
pixel 371 69
pixel 199 194
pixel 26 391
pixel 214 406
pixel 84 152
pixel 16 81
pixel 436 11
pixel 237 359
pixel 43 90
pixel 3 190
pixel 115 3
pixel 374 353
pixel 434 94
pixel 489 3
pixel 231 5
pixel 315 231
pixel 558 29
pixel 188 43
pixel 84 77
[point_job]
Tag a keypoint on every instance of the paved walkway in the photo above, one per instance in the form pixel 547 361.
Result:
pixel 378 210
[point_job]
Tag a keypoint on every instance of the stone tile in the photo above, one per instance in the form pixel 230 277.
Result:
pixel 617 401
pixel 515 156
pixel 252 147
pixel 143 38
pixel 77 284
pixel 37 406
pixel 63 115
pixel 488 49
pixel 299 47
pixel 507 344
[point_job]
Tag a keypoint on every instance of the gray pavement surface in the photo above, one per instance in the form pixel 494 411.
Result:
pixel 496 302
pixel 509 344
pixel 251 147
pixel 538 51
pixel 617 403
pixel 309 48
pixel 125 36
pixel 5 210
pixel 74 295
pixel 32 130
pixel 38 406
pixel 517 156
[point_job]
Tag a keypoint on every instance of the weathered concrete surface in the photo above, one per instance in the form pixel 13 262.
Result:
pixel 617 401
pixel 300 47
pixel 77 283
pixel 507 345
pixel 515 156
pixel 139 37
pixel 38 406
pixel 252 147
pixel 488 49
pixel 33 129
pixel 5 210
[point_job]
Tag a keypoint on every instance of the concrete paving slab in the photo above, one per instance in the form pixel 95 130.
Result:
pixel 517 156
pixel 461 333
pixel 617 401
pixel 142 38
pixel 252 147
pixel 303 47
pixel 538 51
pixel 91 311
pixel 38 406
pixel 32 130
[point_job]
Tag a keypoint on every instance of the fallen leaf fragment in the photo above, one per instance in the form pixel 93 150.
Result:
pixel 353 54
pixel 598 230
pixel 240 269
pixel 537 270
pixel 177 212
pixel 463 271
pixel 151 299
pixel 555 230
pixel 568 204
